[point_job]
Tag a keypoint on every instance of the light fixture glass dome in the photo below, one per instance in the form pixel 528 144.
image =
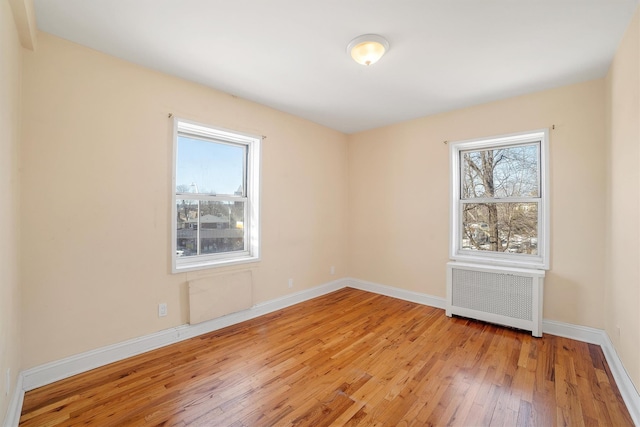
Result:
pixel 367 49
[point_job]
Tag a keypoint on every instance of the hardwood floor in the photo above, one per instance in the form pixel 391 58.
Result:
pixel 350 358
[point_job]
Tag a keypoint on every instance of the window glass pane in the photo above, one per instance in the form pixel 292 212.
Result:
pixel 217 225
pixel 187 226
pixel 209 168
pixel 500 227
pixel 505 172
pixel 221 227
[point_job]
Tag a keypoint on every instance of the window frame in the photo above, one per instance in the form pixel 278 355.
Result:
pixel 251 196
pixel 456 252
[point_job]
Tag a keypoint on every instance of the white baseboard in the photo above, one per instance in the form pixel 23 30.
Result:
pixel 575 332
pixel 630 394
pixel 402 294
pixel 628 391
pixel 12 418
pixel 54 371
pixel 69 366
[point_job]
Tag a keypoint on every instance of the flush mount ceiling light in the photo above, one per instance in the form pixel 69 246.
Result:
pixel 367 49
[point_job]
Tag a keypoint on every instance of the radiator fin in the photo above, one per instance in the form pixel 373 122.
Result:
pixel 502 294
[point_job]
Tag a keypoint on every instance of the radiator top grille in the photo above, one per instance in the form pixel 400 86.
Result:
pixel 498 293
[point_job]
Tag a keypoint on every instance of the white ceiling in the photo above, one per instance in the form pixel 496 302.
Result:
pixel 291 54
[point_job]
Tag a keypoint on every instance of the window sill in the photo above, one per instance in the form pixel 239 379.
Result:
pixel 536 264
pixel 194 265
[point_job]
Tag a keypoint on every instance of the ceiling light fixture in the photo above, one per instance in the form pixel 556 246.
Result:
pixel 367 49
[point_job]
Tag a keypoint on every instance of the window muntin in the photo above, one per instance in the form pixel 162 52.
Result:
pixel 216 204
pixel 500 201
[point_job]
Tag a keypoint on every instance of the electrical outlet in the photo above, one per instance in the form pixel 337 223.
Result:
pixel 333 270
pixel 162 309
pixel 291 283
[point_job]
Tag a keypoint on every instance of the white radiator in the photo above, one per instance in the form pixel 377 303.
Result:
pixel 502 295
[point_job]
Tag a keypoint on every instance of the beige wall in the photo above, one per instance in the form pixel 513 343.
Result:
pixel 399 196
pixel 97 198
pixel 95 208
pixel 622 303
pixel 10 64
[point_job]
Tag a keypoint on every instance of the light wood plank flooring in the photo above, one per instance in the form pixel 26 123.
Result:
pixel 350 358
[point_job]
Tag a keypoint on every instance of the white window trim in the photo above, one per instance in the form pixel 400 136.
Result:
pixel 540 261
pixel 252 205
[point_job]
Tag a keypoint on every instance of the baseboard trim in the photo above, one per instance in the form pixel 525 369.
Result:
pixel 417 297
pixel 260 309
pixel 76 364
pixel 574 332
pixel 630 394
pixel 628 391
pixel 73 365
pixel 12 418
pixel 64 368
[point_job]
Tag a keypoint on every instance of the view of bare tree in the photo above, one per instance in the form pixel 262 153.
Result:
pixel 500 196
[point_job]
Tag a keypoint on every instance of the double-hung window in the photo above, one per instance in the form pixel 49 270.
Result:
pixel 500 200
pixel 215 197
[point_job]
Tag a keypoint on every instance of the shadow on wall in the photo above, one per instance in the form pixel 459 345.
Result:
pixel 563 295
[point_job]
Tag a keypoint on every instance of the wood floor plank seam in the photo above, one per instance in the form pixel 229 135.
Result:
pixel 348 358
